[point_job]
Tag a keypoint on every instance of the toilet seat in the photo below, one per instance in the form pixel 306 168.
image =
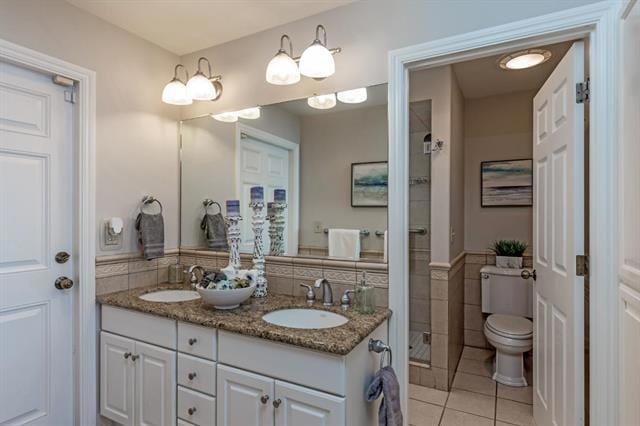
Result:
pixel 510 326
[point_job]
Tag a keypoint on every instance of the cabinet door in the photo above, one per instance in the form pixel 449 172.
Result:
pixel 244 399
pixel 155 392
pixel 299 406
pixel 116 378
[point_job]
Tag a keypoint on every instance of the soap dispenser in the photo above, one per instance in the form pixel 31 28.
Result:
pixel 365 297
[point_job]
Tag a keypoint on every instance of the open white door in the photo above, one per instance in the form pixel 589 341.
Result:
pixel 558 229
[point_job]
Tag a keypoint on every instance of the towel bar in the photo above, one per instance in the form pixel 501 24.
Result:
pixel 150 199
pixel 420 231
pixel 363 232
pixel 378 346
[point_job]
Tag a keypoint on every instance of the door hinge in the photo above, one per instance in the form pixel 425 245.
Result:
pixel 70 96
pixel 582 91
pixel 582 265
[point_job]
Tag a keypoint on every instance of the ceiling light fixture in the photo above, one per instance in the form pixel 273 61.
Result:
pixel 524 59
pixel 200 87
pixel 249 113
pixel 317 61
pixel 353 96
pixel 282 70
pixel 322 101
pixel 175 92
pixel 226 117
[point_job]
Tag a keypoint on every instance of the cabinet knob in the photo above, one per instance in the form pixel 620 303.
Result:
pixel 127 355
pixel 192 341
pixel 277 402
pixel 192 411
pixel 264 399
pixel 134 357
pixel 192 376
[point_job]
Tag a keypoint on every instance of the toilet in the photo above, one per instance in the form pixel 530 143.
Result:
pixel 508 298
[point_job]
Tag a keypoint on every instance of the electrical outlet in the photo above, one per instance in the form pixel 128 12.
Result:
pixel 317 227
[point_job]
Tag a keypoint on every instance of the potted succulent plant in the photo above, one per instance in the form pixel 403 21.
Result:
pixel 509 253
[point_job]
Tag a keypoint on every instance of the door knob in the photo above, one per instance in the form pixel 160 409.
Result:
pixel 525 274
pixel 64 283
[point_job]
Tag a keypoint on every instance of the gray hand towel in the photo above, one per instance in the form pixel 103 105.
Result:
pixel 150 229
pixel 215 231
pixel 385 382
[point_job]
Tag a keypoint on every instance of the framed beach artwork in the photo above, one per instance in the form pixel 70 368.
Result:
pixel 506 183
pixel 369 184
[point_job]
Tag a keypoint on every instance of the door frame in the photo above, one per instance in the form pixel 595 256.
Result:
pixel 599 22
pixel 84 311
pixel 293 198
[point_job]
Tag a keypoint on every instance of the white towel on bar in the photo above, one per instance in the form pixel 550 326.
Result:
pixel 386 247
pixel 344 243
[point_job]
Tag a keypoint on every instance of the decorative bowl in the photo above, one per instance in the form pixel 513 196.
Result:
pixel 226 299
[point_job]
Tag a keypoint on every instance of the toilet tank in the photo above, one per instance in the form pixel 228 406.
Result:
pixel 505 292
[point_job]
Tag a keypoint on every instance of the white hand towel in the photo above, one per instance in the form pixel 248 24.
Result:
pixel 386 247
pixel 344 243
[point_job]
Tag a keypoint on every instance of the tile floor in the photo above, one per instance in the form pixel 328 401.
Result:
pixel 474 400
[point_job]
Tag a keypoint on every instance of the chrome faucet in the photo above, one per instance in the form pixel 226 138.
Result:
pixel 327 294
pixel 193 276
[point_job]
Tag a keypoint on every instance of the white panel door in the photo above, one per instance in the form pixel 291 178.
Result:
pixel 117 378
pixel 36 217
pixel 261 164
pixel 155 386
pixel 629 187
pixel 298 406
pixel 244 399
pixel 558 228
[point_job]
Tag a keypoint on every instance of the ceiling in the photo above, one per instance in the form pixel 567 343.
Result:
pixel 185 26
pixel 376 95
pixel 483 77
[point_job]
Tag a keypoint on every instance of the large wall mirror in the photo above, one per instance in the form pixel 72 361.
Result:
pixel 331 162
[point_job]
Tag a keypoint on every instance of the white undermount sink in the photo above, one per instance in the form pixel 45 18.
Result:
pixel 170 296
pixel 305 318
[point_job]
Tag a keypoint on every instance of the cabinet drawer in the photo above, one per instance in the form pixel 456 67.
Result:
pixel 202 407
pixel 144 327
pixel 197 374
pixel 197 340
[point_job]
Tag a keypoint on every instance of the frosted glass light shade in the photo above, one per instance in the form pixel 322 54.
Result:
pixel 524 59
pixel 317 62
pixel 354 96
pixel 249 113
pixel 226 117
pixel 282 70
pixel 175 93
pixel 200 88
pixel 322 101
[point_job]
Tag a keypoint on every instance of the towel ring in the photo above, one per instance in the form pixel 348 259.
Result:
pixel 150 199
pixel 208 202
pixel 378 346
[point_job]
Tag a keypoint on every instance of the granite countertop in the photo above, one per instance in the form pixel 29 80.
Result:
pixel 247 319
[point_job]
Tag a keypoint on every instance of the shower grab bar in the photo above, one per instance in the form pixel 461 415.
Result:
pixel 363 232
pixel 420 231
pixel 378 346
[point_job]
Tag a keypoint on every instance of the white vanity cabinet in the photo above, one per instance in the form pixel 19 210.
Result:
pixel 137 382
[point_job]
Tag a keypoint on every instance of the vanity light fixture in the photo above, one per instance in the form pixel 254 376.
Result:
pixel 226 117
pixel 317 61
pixel 249 113
pixel 524 59
pixel 322 101
pixel 283 70
pixel 353 96
pixel 175 92
pixel 200 87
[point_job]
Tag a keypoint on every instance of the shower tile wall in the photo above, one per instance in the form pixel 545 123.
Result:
pixel 419 217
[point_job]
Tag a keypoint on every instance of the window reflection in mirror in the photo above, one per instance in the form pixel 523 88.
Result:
pixel 332 164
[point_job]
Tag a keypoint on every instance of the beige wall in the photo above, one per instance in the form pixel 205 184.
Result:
pixel 366 31
pixel 136 135
pixel 457 211
pixel 496 128
pixel 330 143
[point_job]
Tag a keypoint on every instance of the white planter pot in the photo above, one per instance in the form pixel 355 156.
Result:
pixel 509 262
